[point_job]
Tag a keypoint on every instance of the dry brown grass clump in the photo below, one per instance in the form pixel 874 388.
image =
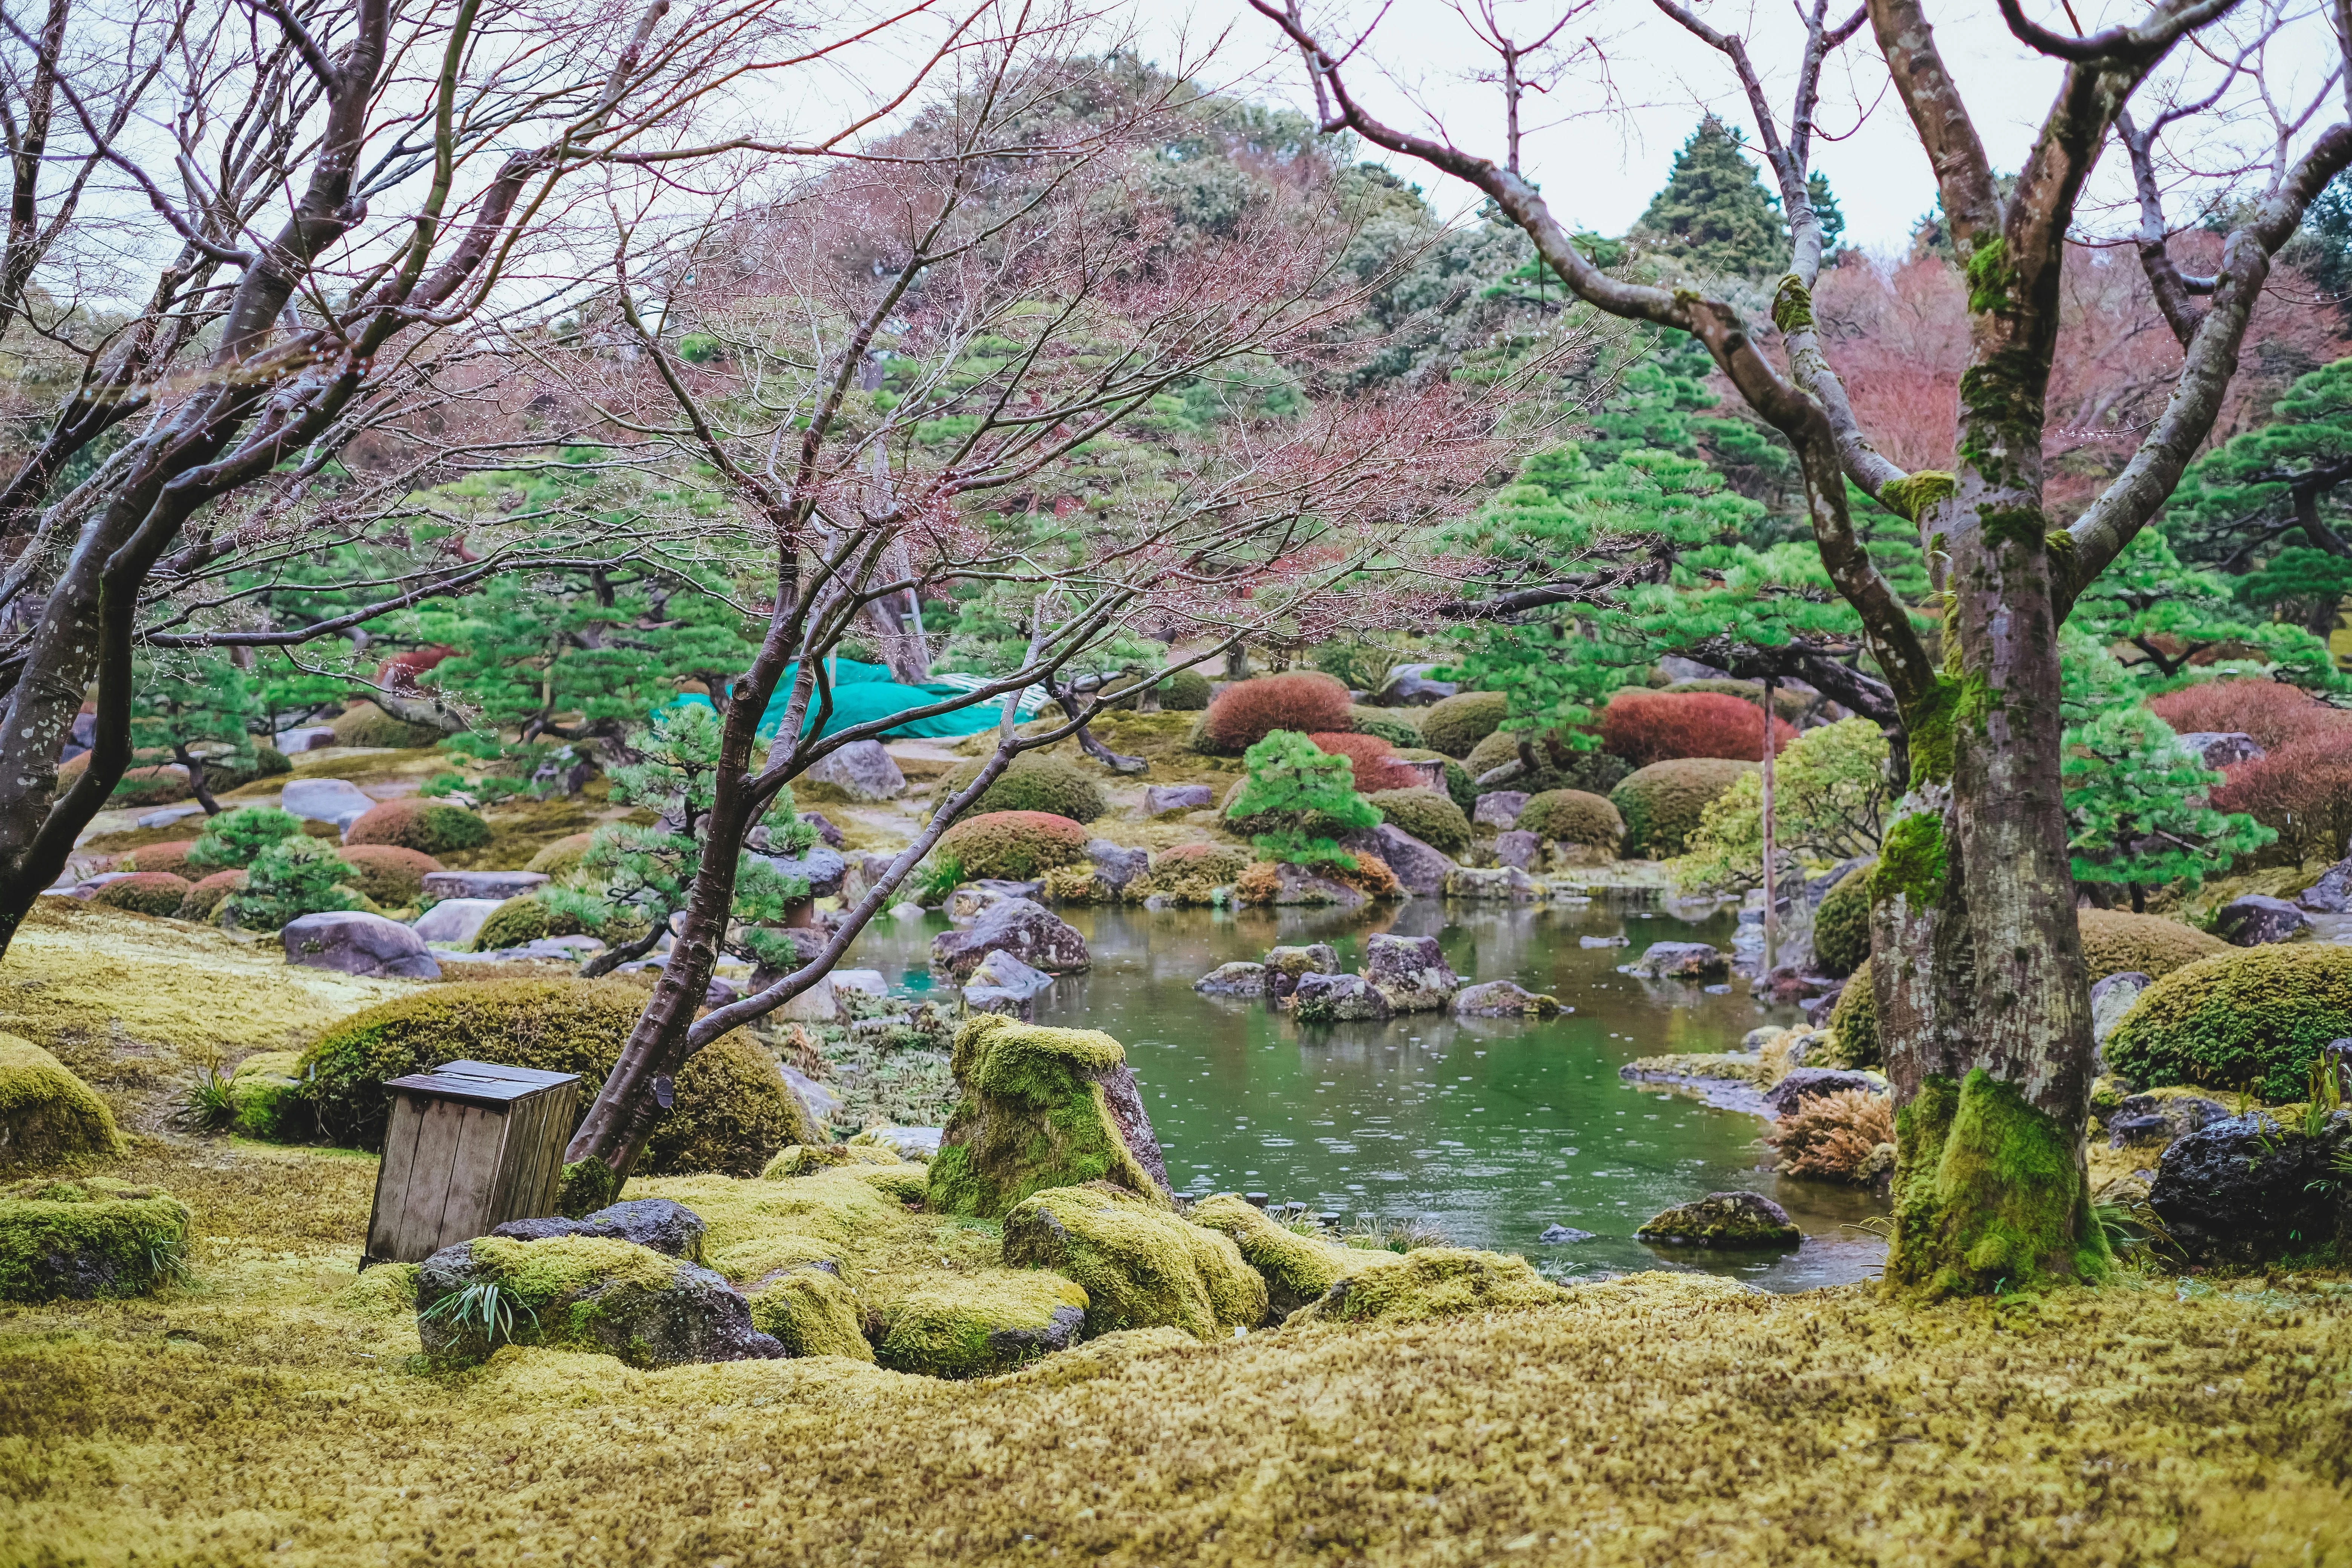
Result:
pixel 1836 1135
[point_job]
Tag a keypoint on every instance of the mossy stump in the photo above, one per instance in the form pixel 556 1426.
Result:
pixel 1041 1108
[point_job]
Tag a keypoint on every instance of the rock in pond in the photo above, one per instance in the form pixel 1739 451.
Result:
pixel 1421 869
pixel 357 943
pixel 1338 999
pixel 2246 1189
pixel 1502 999
pixel 87 1239
pixel 1285 966
pixel 1504 883
pixel 1726 1220
pixel 1499 808
pixel 1028 930
pixel 973 900
pixel 1000 983
pixel 2153 1122
pixel 655 1223
pixel 48 1117
pixel 1803 1083
pixel 1239 978
pixel 1296 885
pixel 1041 1108
pixel 1564 1236
pixel 2254 920
pixel 454 921
pixel 1681 960
pixel 482 884
pixel 586 1293
pixel 1158 800
pixel 1411 972
pixel 863 770
pixel 1139 1265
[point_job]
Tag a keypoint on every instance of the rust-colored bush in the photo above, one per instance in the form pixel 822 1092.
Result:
pixel 388 874
pixel 1248 711
pixel 1646 727
pixel 143 893
pixel 399 672
pixel 1835 1135
pixel 412 822
pixel 2302 789
pixel 171 858
pixel 1369 756
pixel 1014 845
pixel 2274 714
pixel 205 896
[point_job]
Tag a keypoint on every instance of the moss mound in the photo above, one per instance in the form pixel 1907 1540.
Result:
pixel 1013 844
pixel 562 858
pixel 390 875
pixel 48 1118
pixel 1662 804
pixel 1854 1020
pixel 807 1160
pixel 1296 1269
pixel 1430 816
pixel 88 1239
pixel 1247 711
pixel 1454 725
pixel 1842 925
pixel 1139 1265
pixel 730 1111
pixel 977 1325
pixel 812 1312
pixel 143 893
pixel 1394 725
pixel 1190 873
pixel 1436 1282
pixel 368 725
pixel 1035 783
pixel 1458 787
pixel 267 1099
pixel 2115 942
pixel 1034 1114
pixel 203 896
pixel 430 826
pixel 1573 817
pixel 2252 1019
pixel 524 919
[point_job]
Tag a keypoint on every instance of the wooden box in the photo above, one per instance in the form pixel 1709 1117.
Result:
pixel 470 1146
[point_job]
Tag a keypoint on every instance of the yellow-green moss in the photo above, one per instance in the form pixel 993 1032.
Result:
pixel 1912 497
pixel 1436 1282
pixel 1032 1116
pixel 1841 924
pixel 1139 1265
pixel 49 1119
pixel 386 1290
pixel 973 1325
pixel 2116 941
pixel 799 1160
pixel 1990 1194
pixel 1911 862
pixel 1792 305
pixel 833 1208
pixel 812 1312
pixel 1854 1022
pixel 1296 1269
pixel 267 1098
pixel 522 919
pixel 90 1238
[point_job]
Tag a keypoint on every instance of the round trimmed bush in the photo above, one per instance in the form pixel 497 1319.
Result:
pixel 1013 844
pixel 2116 941
pixel 390 875
pixel 1454 725
pixel 430 826
pixel 1186 691
pixel 269 762
pixel 143 893
pixel 1842 925
pixel 729 1115
pixel 368 725
pixel 1389 724
pixel 1458 778
pixel 562 857
pixel 1430 816
pixel 522 919
pixel 1033 782
pixel 171 858
pixel 203 899
pixel 1558 764
pixel 2251 1019
pixel 1247 711
pixel 1368 757
pixel 1854 1020
pixel 1573 817
pixel 1790 705
pixel 1662 804
pixel 1646 727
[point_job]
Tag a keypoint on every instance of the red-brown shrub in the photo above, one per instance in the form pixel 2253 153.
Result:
pixel 1248 711
pixel 1834 1135
pixel 2302 789
pixel 2272 712
pixel 206 896
pixel 1646 727
pixel 171 858
pixel 431 826
pixel 388 874
pixel 399 672
pixel 1369 755
pixel 143 892
pixel 1014 845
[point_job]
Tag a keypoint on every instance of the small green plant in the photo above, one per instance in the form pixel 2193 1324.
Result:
pixel 167 1261
pixel 236 839
pixel 205 1103
pixel 2134 1230
pixel 935 879
pixel 1292 779
pixel 292 878
pixel 484 1310
pixel 2325 1099
pixel 1374 1233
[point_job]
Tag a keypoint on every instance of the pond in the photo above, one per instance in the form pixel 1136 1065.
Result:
pixel 1491 1130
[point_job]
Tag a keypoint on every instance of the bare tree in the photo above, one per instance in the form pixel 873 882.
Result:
pixel 1978 971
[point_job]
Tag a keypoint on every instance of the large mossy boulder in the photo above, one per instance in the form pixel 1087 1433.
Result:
pixel 1041 1108
pixel 585 1293
pixel 1296 1269
pixel 49 1119
pixel 806 1309
pixel 730 1111
pixel 1434 1282
pixel 1141 1266
pixel 2248 1019
pixel 980 1324
pixel 1732 1220
pixel 88 1238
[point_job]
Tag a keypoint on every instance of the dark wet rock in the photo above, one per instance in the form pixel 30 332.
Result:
pixel 1241 978
pixel 1802 1084
pixel 1003 984
pixel 970 901
pixel 1724 1220
pixel 1285 966
pixel 1116 867
pixel 645 1307
pixel 2154 1120
pixel 1421 869
pixel 1502 882
pixel 1502 999
pixel 1681 960
pixel 655 1223
pixel 1411 972
pixel 1338 999
pixel 2256 918
pixel 2246 1189
pixel 1028 930
pixel 2332 894
pixel 1562 1236
pixel 1499 808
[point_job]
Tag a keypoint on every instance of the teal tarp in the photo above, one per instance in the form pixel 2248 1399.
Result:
pixel 862 693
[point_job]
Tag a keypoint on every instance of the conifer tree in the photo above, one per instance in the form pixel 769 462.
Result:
pixel 2284 478
pixel 1309 788
pixel 182 704
pixel 1715 215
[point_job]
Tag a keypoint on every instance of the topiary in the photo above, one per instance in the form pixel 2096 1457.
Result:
pixel 292 878
pixel 1573 817
pixel 2116 941
pixel 1247 711
pixel 524 920
pixel 1389 725
pixel 238 838
pixel 1034 782
pixel 1186 691
pixel 1558 764
pixel 1662 804
pixel 1014 845
pixel 432 826
pixel 1190 873
pixel 728 1112
pixel 1646 727
pixel 2251 1019
pixel 1430 816
pixel 562 857
pixel 143 893
pixel 1854 1020
pixel 172 858
pixel 1841 924
pixel 203 899
pixel 1368 759
pixel 1297 798
pixel 1454 725
pixel 1458 786
pixel 388 874
pixel 368 725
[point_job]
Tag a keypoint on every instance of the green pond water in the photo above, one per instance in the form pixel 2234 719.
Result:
pixel 1490 1128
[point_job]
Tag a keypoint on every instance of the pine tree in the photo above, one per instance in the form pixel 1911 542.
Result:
pixel 1715 215
pixel 2173 616
pixel 184 703
pixel 2284 478
pixel 1291 778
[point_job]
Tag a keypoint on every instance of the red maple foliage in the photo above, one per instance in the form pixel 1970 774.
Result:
pixel 1646 727
pixel 2271 711
pixel 1248 711
pixel 2303 790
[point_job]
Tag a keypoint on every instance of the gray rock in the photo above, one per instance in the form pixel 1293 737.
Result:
pixel 909 1143
pixel 1502 999
pixel 2146 1119
pixel 338 800
pixel 1296 885
pixel 1681 960
pixel 1678 667
pixel 87 887
pixel 863 770
pixel 1116 867
pixel 2255 919
pixel 1002 983
pixel 454 920
pixel 1519 850
pixel 2332 894
pixel 304 738
pixel 872 981
pixel 1409 973
pixel 2111 999
pixel 1158 800
pixel 824 868
pixel 1500 808
pixel 1409 685
pixel 1810 1083
pixel 969 902
pixel 1560 1235
pixel 169 815
pixel 1429 772
pixel 357 943
pixel 1241 978
pixel 909 911
pixel 566 949
pixel 1337 999
pixel 820 1004
pixel 1726 1220
pixel 2222 748
pixel 1420 868
pixel 87 1239
pixel 1285 966
pixel 693 1316
pixel 822 1104
pixel 656 1223
pixel 827 833
pixel 499 885
pixel 2245 1189
pixel 1503 883
pixel 1605 941
pixel 1028 930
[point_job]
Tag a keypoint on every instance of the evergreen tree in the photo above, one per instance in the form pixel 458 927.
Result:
pixel 2323 247
pixel 2286 477
pixel 184 703
pixel 1291 778
pixel 1715 215
pixel 2172 615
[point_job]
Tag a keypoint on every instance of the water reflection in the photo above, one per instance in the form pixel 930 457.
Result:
pixel 1492 1129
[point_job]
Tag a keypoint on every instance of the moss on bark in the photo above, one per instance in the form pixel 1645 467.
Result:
pixel 1990 1194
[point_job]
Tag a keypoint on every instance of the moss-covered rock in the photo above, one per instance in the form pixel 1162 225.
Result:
pixel 2116 941
pixel 1853 1023
pixel 1662 804
pixel 807 1310
pixel 50 1119
pixel 1730 1220
pixel 1037 782
pixel 1041 1108
pixel 87 1239
pixel 267 1098
pixel 1573 817
pixel 1454 725
pixel 2247 1019
pixel 1426 814
pixel 1841 924
pixel 802 1160
pixel 1141 1266
pixel 977 1325
pixel 1296 1269
pixel 1434 1282
pixel 583 1293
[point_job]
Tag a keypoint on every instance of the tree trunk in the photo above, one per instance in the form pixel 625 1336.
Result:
pixel 198 785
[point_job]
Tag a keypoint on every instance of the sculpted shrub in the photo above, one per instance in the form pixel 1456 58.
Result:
pixel 390 875
pixel 431 826
pixel 238 838
pixel 1454 725
pixel 2252 1019
pixel 204 898
pixel 1663 803
pixel 1646 727
pixel 1573 817
pixel 172 858
pixel 1034 782
pixel 1016 845
pixel 1842 925
pixel 2116 941
pixel 143 893
pixel 1368 757
pixel 1430 816
pixel 1246 712
pixel 368 725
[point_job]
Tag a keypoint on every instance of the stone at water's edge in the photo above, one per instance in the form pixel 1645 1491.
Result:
pixel 1502 999
pixel 591 1293
pixel 863 770
pixel 1518 850
pixel 1284 966
pixel 1499 808
pixel 1802 1084
pixel 970 901
pixel 2246 1189
pixel 1002 983
pixel 357 943
pixel 1602 941
pixel 338 800
pixel 906 911
pixel 1158 800
pixel 1562 1236
pixel 2332 894
pixel 1028 930
pixel 2222 748
pixel 454 920
pixel 1420 869
pixel 1681 960
pixel 1409 973
pixel 1338 999
pixel 2111 999
pixel 1116 867
pixel 1240 978
pixel 1508 882
pixel 482 884
pixel 1041 1108
pixel 656 1223
pixel 872 981
pixel 1298 885
pixel 2254 920
pixel 1724 1219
